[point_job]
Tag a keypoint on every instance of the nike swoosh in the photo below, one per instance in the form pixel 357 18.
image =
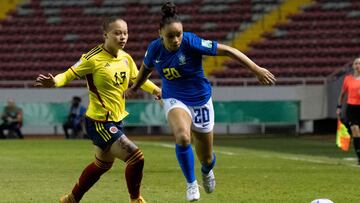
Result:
pixel 157 61
pixel 204 125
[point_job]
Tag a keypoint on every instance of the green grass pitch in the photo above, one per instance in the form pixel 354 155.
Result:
pixel 249 170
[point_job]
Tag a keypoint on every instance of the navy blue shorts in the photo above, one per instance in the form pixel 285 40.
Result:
pixel 103 134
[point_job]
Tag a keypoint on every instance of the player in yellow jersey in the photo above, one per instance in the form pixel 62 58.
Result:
pixel 108 70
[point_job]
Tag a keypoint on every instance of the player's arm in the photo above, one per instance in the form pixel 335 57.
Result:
pixel 144 83
pixel 264 76
pixel 81 68
pixel 341 97
pixel 58 81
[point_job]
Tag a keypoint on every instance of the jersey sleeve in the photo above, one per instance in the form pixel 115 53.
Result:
pixel 78 70
pixel 83 67
pixel 202 46
pixel 149 56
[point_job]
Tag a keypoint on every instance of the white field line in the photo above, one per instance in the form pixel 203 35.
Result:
pixel 158 144
pixel 292 158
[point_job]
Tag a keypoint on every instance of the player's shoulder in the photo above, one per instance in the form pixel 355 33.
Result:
pixel 189 35
pixel 348 77
pixel 93 53
pixel 156 43
pixel 124 54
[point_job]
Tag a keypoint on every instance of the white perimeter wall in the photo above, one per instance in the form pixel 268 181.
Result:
pixel 313 99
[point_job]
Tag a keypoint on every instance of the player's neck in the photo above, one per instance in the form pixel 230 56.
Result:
pixel 110 50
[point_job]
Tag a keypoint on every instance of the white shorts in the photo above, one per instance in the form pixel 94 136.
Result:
pixel 202 116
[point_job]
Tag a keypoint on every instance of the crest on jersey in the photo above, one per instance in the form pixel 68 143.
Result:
pixel 182 60
pixel 113 129
pixel 206 43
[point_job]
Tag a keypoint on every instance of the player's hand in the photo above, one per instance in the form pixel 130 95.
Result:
pixel 157 94
pixel 45 81
pixel 338 112
pixel 265 77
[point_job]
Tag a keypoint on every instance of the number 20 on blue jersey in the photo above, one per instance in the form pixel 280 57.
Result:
pixel 171 73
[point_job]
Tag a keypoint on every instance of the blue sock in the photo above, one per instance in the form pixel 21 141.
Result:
pixel 207 168
pixel 185 157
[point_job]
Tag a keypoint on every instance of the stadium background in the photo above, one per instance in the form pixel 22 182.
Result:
pixel 307 44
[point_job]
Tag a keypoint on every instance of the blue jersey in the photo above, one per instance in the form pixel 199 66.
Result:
pixel 181 71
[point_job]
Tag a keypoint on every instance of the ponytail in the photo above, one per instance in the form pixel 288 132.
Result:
pixel 169 14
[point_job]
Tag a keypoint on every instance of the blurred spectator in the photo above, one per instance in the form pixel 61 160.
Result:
pixel 12 120
pixel 75 119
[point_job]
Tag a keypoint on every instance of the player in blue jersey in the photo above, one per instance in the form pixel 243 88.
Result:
pixel 186 93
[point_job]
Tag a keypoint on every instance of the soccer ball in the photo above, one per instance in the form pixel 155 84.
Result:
pixel 322 201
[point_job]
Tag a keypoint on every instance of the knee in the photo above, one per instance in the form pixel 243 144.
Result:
pixel 105 165
pixel 182 138
pixel 355 131
pixel 136 157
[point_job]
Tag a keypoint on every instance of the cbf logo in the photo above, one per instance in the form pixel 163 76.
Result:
pixel 172 102
pixel 182 60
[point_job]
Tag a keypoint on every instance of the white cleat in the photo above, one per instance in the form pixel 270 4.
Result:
pixel 192 191
pixel 209 182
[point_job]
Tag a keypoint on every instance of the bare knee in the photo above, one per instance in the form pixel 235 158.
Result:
pixel 182 137
pixel 355 131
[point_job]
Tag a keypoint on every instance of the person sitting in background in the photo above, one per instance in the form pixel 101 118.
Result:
pixel 75 118
pixel 12 120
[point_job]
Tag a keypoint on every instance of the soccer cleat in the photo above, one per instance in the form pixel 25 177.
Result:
pixel 69 198
pixel 209 182
pixel 192 191
pixel 138 200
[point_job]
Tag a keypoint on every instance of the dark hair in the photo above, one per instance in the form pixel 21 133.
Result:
pixel 169 14
pixel 108 21
pixel 77 98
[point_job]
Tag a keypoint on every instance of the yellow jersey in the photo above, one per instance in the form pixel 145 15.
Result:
pixel 107 78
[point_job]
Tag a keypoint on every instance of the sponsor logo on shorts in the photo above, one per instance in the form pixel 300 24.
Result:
pixel 205 124
pixel 113 129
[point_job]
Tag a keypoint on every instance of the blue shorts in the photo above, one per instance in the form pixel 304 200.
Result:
pixel 103 134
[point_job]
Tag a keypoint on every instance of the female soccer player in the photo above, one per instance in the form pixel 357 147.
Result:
pixel 108 70
pixel 351 86
pixel 186 93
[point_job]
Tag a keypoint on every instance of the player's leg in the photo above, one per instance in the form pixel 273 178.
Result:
pixel 2 128
pixel 179 119
pixel 204 151
pixel 101 164
pixel 355 132
pixel 66 127
pixel 16 128
pixel 92 173
pixel 353 117
pixel 202 133
pixel 126 150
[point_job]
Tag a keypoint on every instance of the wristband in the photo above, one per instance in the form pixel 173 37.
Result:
pixel 338 106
